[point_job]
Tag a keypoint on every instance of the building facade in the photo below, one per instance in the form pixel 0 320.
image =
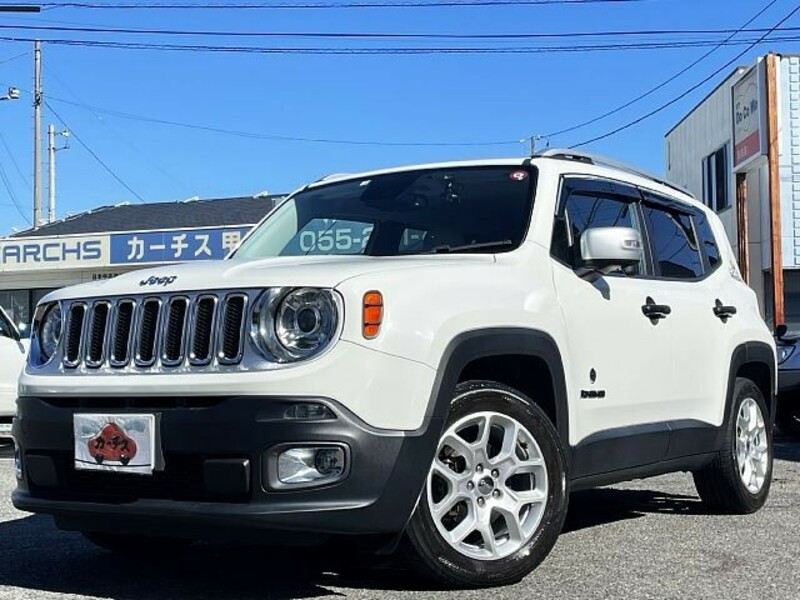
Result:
pixel 108 241
pixel 738 150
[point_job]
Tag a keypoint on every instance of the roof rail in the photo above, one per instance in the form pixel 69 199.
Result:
pixel 333 176
pixel 602 161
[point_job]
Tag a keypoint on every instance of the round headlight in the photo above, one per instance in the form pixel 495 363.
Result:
pixel 50 331
pixel 290 325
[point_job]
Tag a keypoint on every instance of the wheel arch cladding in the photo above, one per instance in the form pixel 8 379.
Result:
pixel 524 359
pixel 754 361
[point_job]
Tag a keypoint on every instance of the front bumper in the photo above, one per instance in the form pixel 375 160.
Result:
pixel 215 477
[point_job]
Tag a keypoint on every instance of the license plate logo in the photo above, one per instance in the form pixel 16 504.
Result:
pixel 121 443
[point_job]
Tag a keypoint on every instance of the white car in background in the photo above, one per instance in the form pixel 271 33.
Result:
pixel 12 359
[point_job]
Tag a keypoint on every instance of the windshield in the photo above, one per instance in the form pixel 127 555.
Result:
pixel 466 209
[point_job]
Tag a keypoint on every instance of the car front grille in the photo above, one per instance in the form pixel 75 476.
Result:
pixel 150 332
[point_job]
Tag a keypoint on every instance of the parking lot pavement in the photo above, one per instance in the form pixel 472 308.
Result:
pixel 648 539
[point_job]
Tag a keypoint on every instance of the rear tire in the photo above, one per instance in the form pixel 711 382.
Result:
pixel 739 478
pixel 496 497
pixel 137 546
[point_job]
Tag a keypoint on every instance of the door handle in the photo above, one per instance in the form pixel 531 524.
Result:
pixel 723 312
pixel 655 312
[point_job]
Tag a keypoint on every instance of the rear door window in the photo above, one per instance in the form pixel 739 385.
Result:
pixel 676 252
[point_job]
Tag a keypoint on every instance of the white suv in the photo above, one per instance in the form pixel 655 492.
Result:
pixel 12 361
pixel 430 356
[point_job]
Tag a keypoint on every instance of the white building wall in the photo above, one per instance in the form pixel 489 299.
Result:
pixel 789 142
pixel 43 279
pixel 704 131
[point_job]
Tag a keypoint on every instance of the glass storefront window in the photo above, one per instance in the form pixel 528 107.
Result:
pixel 20 305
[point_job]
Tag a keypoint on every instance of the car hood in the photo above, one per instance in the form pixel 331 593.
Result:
pixel 317 271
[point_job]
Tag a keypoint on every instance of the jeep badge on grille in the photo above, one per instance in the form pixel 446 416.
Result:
pixel 158 280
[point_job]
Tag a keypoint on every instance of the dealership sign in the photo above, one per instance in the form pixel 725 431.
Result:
pixel 51 253
pixel 119 249
pixel 174 246
pixel 749 117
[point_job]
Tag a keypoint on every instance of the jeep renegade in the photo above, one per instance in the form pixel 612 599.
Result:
pixel 433 356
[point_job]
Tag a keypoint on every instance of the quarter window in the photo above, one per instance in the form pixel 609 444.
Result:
pixel 674 245
pixel 707 240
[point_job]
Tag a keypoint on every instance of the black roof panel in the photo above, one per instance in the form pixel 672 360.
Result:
pixel 162 215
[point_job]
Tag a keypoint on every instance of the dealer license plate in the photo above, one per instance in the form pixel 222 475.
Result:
pixel 117 443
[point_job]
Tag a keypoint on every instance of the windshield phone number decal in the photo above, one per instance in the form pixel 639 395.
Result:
pixel 329 239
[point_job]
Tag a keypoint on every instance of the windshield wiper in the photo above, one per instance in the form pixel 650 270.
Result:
pixel 446 249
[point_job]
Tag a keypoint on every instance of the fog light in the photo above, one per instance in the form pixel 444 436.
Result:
pixel 311 465
pixel 308 411
pixel 17 462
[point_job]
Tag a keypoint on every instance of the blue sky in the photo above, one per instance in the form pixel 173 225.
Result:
pixel 439 98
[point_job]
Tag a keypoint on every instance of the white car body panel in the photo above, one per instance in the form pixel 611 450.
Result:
pixel 12 363
pixel 677 370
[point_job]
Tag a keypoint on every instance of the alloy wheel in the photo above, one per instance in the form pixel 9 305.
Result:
pixel 488 486
pixel 751 446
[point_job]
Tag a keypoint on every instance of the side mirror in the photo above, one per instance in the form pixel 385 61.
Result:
pixel 781 330
pixel 608 249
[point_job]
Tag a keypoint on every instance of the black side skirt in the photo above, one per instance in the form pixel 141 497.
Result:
pixel 643 451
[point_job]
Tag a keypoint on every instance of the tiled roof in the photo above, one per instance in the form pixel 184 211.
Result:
pixel 163 215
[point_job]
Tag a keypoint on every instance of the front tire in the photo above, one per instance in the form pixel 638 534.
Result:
pixel 496 497
pixel 739 478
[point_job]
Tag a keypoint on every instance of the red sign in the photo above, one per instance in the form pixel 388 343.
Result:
pixel 112 443
pixel 749 125
pixel 747 148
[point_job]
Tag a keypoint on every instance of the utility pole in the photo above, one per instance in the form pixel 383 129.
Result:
pixel 534 139
pixel 51 188
pixel 37 134
pixel 51 158
pixel 773 158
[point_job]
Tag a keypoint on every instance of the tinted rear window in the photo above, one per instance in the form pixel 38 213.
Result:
pixel 676 253
pixel 707 239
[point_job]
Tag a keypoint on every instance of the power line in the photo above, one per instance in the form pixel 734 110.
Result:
pixel 94 155
pixel 420 50
pixel 14 162
pixel 119 136
pixel 690 90
pixel 16 8
pixel 280 138
pixel 325 5
pixel 11 194
pixel 18 56
pixel 400 35
pixel 667 81
pixel 269 136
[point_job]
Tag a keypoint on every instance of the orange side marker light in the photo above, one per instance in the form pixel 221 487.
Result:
pixel 373 314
